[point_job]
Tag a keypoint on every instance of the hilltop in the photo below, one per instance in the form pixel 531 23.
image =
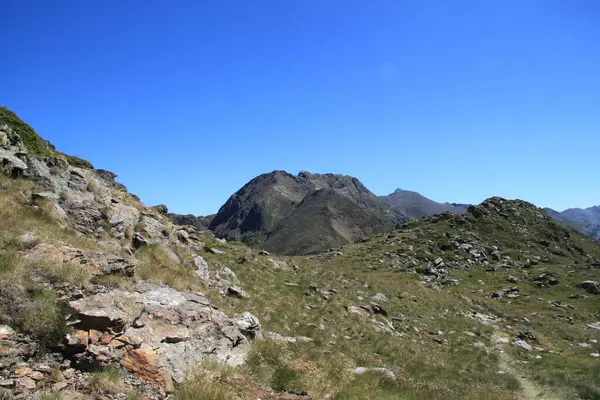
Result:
pixel 103 297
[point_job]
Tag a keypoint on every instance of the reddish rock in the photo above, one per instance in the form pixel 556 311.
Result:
pixel 94 336
pixel 143 364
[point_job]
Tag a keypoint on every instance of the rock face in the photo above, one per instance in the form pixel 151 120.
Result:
pixel 414 205
pixel 155 330
pixel 303 214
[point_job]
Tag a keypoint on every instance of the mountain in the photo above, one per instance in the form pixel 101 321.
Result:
pixel 303 214
pixel 414 205
pixel 584 220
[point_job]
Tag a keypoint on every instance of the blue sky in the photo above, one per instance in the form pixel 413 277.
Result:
pixel 188 100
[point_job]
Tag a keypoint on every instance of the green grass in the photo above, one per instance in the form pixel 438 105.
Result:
pixel 106 379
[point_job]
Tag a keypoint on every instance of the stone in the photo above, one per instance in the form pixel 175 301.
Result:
pixel 236 291
pixel 152 229
pixel 10 164
pixel 123 219
pixel 7 382
pixel 523 345
pixel 590 286
pixel 6 330
pixel 357 310
pixel 379 297
pixel 58 386
pixel 36 375
pixel 181 328
pixel 512 279
pixel 143 363
pixel 438 262
pixel 595 325
pixel 201 269
pixel 276 337
pixel 386 373
pixel 25 383
pixel 527 335
pixel 249 324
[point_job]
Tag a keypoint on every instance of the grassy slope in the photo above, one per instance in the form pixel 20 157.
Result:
pixel 454 364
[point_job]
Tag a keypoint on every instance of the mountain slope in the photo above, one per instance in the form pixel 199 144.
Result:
pixel 584 220
pixel 273 210
pixel 415 205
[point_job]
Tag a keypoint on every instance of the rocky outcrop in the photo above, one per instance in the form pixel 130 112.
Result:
pixel 94 262
pixel 157 332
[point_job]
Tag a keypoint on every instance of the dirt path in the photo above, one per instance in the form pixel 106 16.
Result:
pixel 529 389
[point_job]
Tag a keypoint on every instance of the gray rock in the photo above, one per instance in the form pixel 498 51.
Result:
pixel 379 297
pixel 124 218
pixel 10 164
pixel 386 373
pixel 276 337
pixel 590 286
pixel 180 328
pixel 523 345
pixel 249 324
pixel 201 269
pixel 152 229
pixel 595 325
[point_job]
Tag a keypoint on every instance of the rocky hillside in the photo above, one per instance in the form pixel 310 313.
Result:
pixel 414 205
pixel 584 220
pixel 302 214
pixel 100 294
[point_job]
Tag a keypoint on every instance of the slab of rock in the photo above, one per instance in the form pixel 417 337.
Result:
pixel 523 345
pixel 94 262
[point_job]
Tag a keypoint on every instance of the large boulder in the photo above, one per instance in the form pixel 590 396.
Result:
pixel 174 331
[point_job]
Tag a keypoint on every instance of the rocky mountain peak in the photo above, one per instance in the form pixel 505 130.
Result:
pixel 265 207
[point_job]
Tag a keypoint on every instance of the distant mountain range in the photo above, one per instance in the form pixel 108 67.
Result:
pixel 309 213
pixel 414 205
pixel 584 220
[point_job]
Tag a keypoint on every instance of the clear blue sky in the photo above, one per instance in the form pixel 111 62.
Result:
pixel 188 100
